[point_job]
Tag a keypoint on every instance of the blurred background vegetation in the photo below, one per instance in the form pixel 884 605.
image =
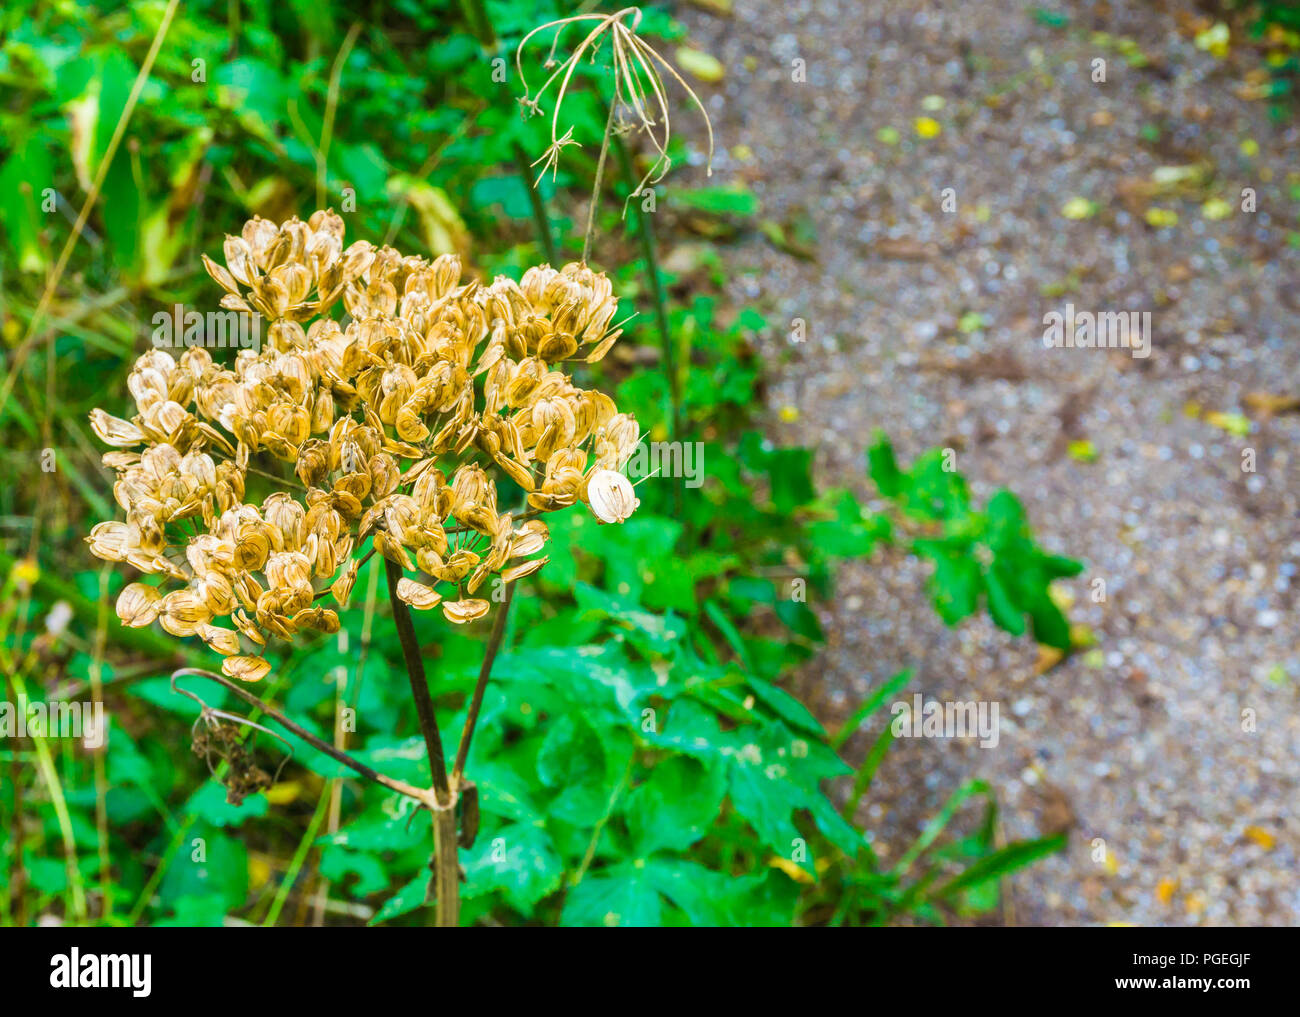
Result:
pixel 638 762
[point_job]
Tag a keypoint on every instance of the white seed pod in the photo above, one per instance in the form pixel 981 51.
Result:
pixel 611 496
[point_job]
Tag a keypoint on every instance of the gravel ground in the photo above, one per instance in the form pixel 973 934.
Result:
pixel 1141 742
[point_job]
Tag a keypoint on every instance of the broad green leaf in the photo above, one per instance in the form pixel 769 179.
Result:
pixel 618 896
pixel 674 807
pixel 408 898
pixel 518 860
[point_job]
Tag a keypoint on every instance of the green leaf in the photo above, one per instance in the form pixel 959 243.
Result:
pixel 883 467
pixel 733 200
pixel 869 706
pixel 1007 522
pixel 789 471
pixel 1050 625
pixel 518 860
pixel 786 707
pixel 675 806
pixel 408 898
pixel 774 772
pixel 955 584
pixel 707 898
pixel 843 834
pixel 338 863
pixel 619 896
pixel 26 174
pixel 571 754
pixel 209 802
pixel 1001 606
pixel 799 618
pixel 693 729
pixel 1014 856
pixel 210 865
pixel 936 825
pixel 729 632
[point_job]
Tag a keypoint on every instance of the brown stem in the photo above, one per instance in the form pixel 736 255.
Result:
pixel 485 673
pixel 446 862
pixel 339 756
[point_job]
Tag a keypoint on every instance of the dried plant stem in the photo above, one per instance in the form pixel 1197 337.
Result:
pixel 446 862
pixel 485 673
pixel 599 182
pixel 400 786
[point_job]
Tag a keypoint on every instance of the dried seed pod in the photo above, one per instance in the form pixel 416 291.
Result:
pixel 418 595
pixel 138 604
pixel 247 669
pixel 461 612
pixel 611 496
pixel 211 510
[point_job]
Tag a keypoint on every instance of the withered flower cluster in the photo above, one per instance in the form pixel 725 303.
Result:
pixel 394 424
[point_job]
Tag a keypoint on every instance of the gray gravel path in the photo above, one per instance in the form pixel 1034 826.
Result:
pixel 1139 743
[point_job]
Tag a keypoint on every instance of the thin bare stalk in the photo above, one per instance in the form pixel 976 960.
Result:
pixel 600 180
pixel 484 675
pixel 400 786
pixel 446 861
pixel 419 686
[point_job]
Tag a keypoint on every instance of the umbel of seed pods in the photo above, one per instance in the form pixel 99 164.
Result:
pixel 394 425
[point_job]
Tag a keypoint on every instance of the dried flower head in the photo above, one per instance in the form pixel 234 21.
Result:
pixel 640 99
pixel 395 422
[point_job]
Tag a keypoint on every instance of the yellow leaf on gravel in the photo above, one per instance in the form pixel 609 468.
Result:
pixel 927 127
pixel 1082 451
pixel 1235 424
pixel 1267 405
pixel 1215 40
pixel 1165 890
pixel 1216 209
pixel 1261 837
pixel 1048 658
pixel 1079 208
pixel 700 65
